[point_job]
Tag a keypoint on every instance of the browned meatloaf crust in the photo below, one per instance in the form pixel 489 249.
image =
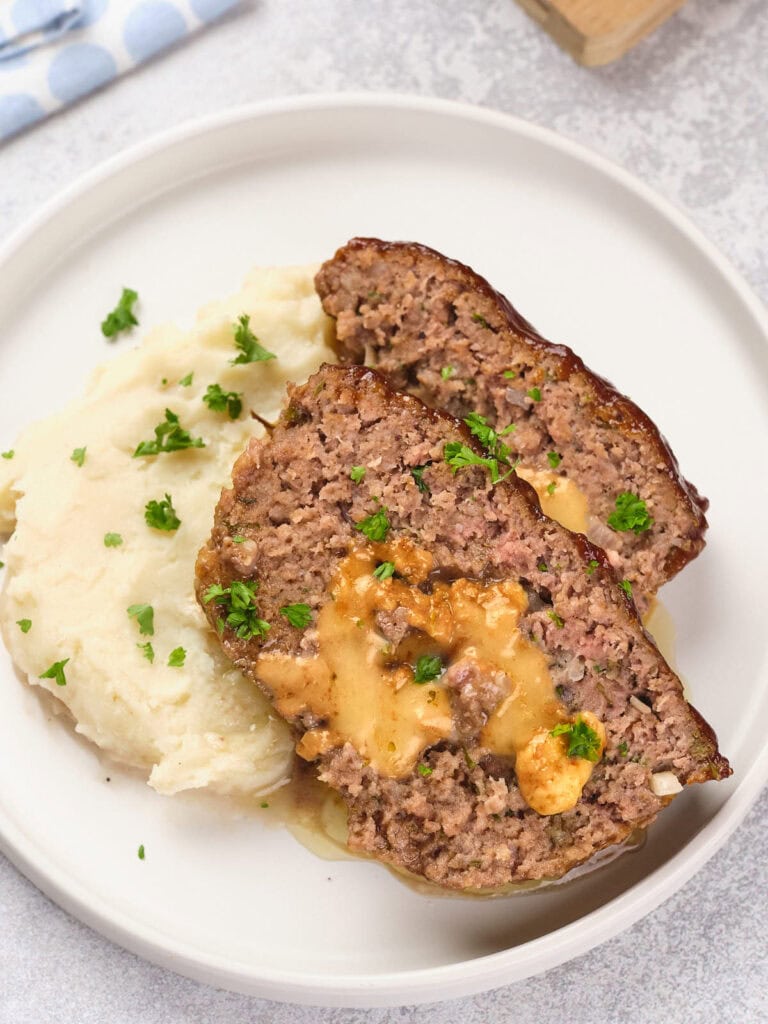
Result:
pixel 292 509
pixel 410 312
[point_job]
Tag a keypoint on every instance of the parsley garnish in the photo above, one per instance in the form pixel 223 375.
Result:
pixel 78 456
pixel 56 671
pixel 24 625
pixel 9 454
pixel 558 621
pixel 551 488
pixel 169 437
pixel 122 317
pixel 510 374
pixel 264 804
pixel 186 381
pixel 447 372
pixel 428 667
pixel 299 615
pixel 534 394
pixel 356 474
pixel 375 526
pixel 148 651
pixel 542 567
pixel 626 586
pixel 583 741
pixel 384 570
pixel 112 540
pixel 623 749
pixel 145 617
pixel 488 437
pixel 554 459
pixel 631 514
pixel 219 400
pixel 591 567
pixel 417 472
pixel 459 455
pixel 251 350
pixel 424 770
pixel 141 852
pixel 239 600
pixel 161 515
pixel 239 539
pixel 177 657
pixel 478 319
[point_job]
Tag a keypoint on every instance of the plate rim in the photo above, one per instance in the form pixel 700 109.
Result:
pixel 468 976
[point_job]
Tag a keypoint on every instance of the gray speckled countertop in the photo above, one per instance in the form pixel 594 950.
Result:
pixel 686 112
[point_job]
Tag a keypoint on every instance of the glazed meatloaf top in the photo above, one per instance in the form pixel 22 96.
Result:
pixel 465 672
pixel 439 330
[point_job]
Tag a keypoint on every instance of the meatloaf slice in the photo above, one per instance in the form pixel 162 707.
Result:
pixel 439 330
pixel 355 473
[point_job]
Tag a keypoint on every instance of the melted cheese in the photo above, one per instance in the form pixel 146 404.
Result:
pixel 360 689
pixel 566 504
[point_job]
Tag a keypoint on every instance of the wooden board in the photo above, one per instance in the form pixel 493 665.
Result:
pixel 596 32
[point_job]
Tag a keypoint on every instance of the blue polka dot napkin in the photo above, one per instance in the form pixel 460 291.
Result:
pixel 60 50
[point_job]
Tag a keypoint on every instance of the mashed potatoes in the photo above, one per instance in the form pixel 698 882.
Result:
pixel 200 724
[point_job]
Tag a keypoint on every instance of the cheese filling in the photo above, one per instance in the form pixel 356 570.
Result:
pixel 362 689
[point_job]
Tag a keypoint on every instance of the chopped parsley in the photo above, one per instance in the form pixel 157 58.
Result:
pixel 264 804
pixel 384 570
pixel 630 514
pixel 488 437
pixel 428 667
pixel 558 621
pixel 417 472
pixel 9 454
pixel 239 601
pixel 122 316
pixel 251 349
pixel 375 526
pixel 24 625
pixel 534 394
pixel 2 565
pixel 177 657
pixel 78 456
pixel 145 618
pixel 424 770
pixel 299 615
pixel 356 474
pixel 626 586
pixel 141 852
pixel 554 459
pixel 447 372
pixel 161 515
pixel 583 741
pixel 219 400
pixel 478 319
pixel 593 564
pixel 239 539
pixel 56 671
pixel 112 540
pixel 169 437
pixel 148 651
pixel 458 456
pixel 623 749
pixel 542 567
pixel 551 488
pixel 509 374
pixel 186 381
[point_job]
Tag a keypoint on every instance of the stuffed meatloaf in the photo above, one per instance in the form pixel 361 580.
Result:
pixel 464 671
pixel 597 462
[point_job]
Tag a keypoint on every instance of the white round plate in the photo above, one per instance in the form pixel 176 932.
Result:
pixel 593 259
